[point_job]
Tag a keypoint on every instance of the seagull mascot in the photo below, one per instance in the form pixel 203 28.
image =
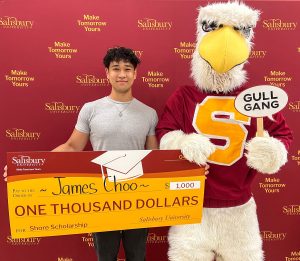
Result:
pixel 202 122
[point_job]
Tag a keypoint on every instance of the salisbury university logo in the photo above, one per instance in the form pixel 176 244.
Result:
pixel 27 161
pixel 154 24
pixel 9 22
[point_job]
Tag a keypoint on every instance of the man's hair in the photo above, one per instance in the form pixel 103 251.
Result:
pixel 117 54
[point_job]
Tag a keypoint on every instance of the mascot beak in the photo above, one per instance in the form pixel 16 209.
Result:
pixel 224 48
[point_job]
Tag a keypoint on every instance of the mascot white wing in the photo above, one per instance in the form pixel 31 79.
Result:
pixel 266 154
pixel 194 147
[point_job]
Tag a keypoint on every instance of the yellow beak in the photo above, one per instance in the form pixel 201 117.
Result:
pixel 223 49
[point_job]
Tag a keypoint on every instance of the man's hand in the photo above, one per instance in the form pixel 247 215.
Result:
pixel 206 169
pixel 5 173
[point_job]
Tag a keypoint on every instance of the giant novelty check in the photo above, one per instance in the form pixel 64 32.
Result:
pixel 60 193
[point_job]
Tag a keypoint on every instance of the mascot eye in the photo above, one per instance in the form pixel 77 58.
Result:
pixel 208 27
pixel 245 30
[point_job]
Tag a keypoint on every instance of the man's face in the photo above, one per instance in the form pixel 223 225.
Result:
pixel 121 76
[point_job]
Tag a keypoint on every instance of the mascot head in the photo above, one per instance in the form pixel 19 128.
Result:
pixel 224 33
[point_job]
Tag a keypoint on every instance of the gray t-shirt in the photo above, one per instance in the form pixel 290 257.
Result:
pixel 109 131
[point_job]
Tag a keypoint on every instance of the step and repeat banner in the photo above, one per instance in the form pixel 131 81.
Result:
pixel 51 64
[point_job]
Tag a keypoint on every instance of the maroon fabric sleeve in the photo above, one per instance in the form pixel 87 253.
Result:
pixel 279 129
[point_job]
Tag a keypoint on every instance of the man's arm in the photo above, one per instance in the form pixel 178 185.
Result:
pixel 151 143
pixel 76 142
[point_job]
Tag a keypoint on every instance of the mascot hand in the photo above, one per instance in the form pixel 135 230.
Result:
pixel 266 154
pixel 194 147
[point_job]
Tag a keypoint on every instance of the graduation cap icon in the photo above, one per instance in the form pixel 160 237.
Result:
pixel 121 165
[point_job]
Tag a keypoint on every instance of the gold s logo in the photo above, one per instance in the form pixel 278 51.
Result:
pixel 217 118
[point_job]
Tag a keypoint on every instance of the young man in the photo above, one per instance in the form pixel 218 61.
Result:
pixel 116 122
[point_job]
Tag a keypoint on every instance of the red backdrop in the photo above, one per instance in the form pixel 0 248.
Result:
pixel 51 64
